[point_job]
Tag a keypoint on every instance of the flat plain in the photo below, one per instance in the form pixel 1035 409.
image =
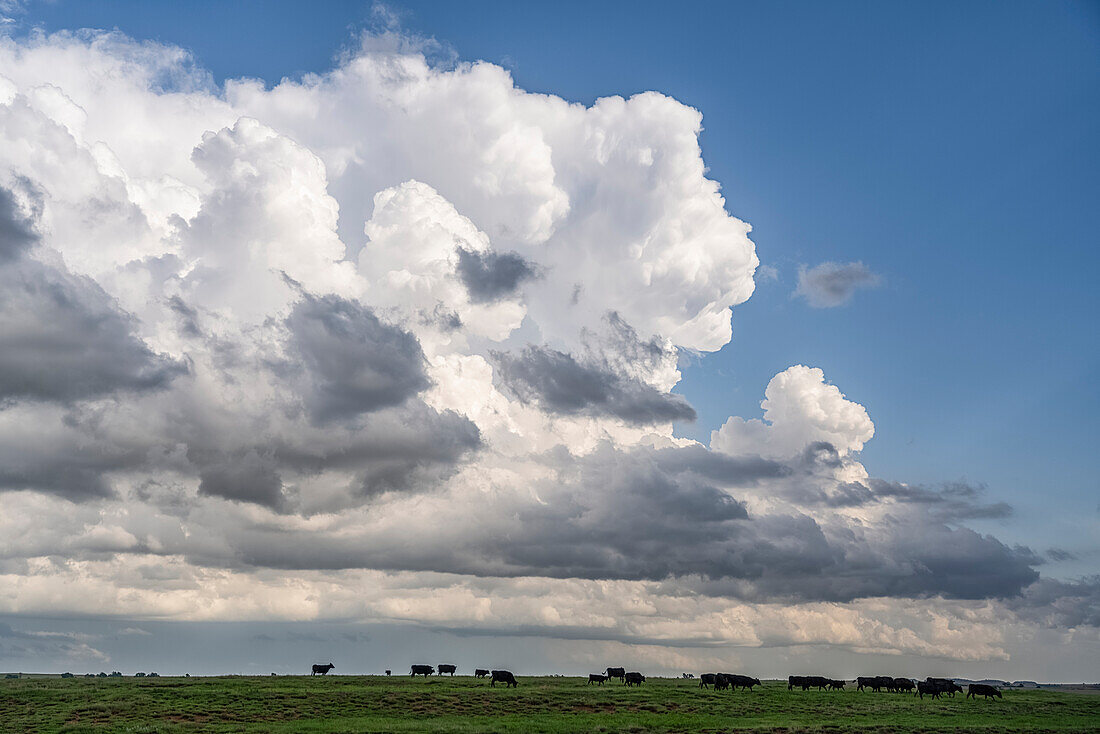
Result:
pixel 338 703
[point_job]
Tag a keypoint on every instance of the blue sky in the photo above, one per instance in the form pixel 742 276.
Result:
pixel 951 148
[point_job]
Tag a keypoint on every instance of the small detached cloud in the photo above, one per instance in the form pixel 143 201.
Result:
pixel 833 284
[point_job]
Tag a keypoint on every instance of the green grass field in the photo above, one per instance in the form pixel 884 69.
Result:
pixel 463 704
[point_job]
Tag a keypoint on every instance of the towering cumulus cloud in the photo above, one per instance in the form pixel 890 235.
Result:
pixel 396 332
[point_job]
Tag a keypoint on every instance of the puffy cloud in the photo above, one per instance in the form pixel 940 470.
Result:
pixel 399 342
pixel 800 408
pixel 833 284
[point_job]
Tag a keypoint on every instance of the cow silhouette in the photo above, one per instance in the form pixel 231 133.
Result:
pixel 981 689
pixel 322 669
pixel 503 676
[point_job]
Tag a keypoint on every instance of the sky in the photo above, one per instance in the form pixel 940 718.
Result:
pixel 724 334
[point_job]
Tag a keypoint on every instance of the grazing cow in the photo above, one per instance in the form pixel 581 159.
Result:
pixel 688 675
pixel 981 689
pixel 945 685
pixel 481 673
pixel 619 673
pixel 154 675
pixel 903 684
pixel 707 680
pixel 139 675
pixel 794 680
pixel 876 682
pixel 66 675
pixel 835 685
pixel 721 682
pixel 424 670
pixel 931 689
pixel 322 669
pixel 446 668
pixel 633 679
pixel 502 676
pixel 743 681
pixel 387 672
pixel 596 678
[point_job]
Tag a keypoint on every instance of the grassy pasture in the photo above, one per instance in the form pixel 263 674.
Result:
pixel 464 704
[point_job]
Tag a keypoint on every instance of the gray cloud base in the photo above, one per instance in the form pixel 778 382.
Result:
pixel 833 284
pixel 557 382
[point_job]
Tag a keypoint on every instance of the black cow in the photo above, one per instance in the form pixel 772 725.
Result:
pixel 480 673
pixel 596 678
pixel 388 672
pixel 424 670
pixel 633 679
pixel 721 682
pixel 875 683
pixel 503 676
pixel 835 685
pixel 707 679
pixel 66 675
pixel 903 684
pixel 743 681
pixel 322 669
pixel 806 682
pixel 931 689
pixel 446 668
pixel 619 673
pixel 981 689
pixel 945 685
pixel 688 676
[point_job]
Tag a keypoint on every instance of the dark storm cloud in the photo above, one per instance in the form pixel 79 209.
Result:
pixel 61 452
pixel 248 476
pixel 1060 603
pixel 558 383
pixel 357 362
pixel 16 230
pixel 951 502
pixel 62 338
pixel 73 480
pixel 658 514
pixel 188 317
pixel 490 276
pixel 833 284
